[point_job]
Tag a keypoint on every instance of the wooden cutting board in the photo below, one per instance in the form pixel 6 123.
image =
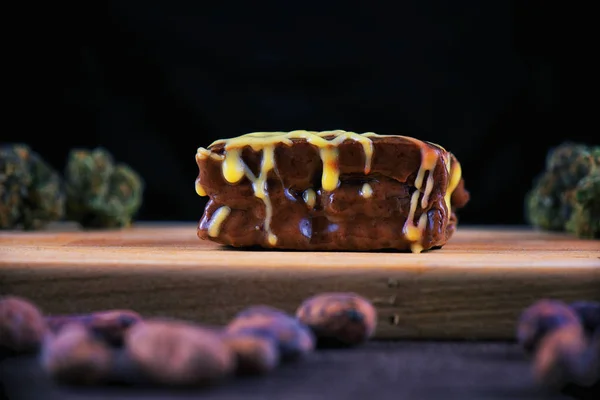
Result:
pixel 474 287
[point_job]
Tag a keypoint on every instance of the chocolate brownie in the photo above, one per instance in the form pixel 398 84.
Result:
pixel 333 190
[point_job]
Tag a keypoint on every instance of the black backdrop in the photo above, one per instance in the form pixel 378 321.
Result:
pixel 496 82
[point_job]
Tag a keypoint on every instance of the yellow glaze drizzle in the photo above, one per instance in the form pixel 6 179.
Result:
pixel 429 158
pixel 330 178
pixel 455 175
pixel 414 233
pixel 366 191
pixel 233 167
pixel 199 189
pixel 217 219
pixel 234 170
pixel 310 198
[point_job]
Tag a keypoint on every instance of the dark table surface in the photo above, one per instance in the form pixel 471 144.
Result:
pixel 376 371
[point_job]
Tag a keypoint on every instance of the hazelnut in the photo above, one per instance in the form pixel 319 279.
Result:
pixel 339 318
pixel 293 338
pixel 254 354
pixel 541 318
pixel 22 326
pixel 75 356
pixel 178 353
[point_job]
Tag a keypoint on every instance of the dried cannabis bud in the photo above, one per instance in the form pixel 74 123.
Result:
pixel 566 196
pixel 585 200
pixel 31 192
pixel 100 193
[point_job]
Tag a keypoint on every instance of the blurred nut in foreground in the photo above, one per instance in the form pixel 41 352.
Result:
pixel 22 325
pixel 339 318
pixel 589 314
pixel 255 354
pixel 293 338
pixel 541 318
pixel 565 357
pixel 178 353
pixel 109 325
pixel 263 310
pixel 75 356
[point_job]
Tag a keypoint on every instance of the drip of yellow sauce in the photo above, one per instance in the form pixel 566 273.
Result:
pixel 455 175
pixel 414 233
pixel 428 189
pixel 272 239
pixel 234 170
pixel 366 191
pixel 330 179
pixel 199 189
pixel 233 166
pixel 259 185
pixel 217 219
pixel 310 198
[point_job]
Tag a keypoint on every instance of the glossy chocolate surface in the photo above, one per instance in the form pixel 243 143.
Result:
pixel 368 209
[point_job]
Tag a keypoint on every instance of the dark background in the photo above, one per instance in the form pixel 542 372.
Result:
pixel 496 82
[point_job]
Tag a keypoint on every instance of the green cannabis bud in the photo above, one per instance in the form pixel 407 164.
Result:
pixel 31 191
pixel 100 192
pixel 585 200
pixel 566 196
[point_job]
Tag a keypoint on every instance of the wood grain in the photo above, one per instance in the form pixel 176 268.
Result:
pixel 474 287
